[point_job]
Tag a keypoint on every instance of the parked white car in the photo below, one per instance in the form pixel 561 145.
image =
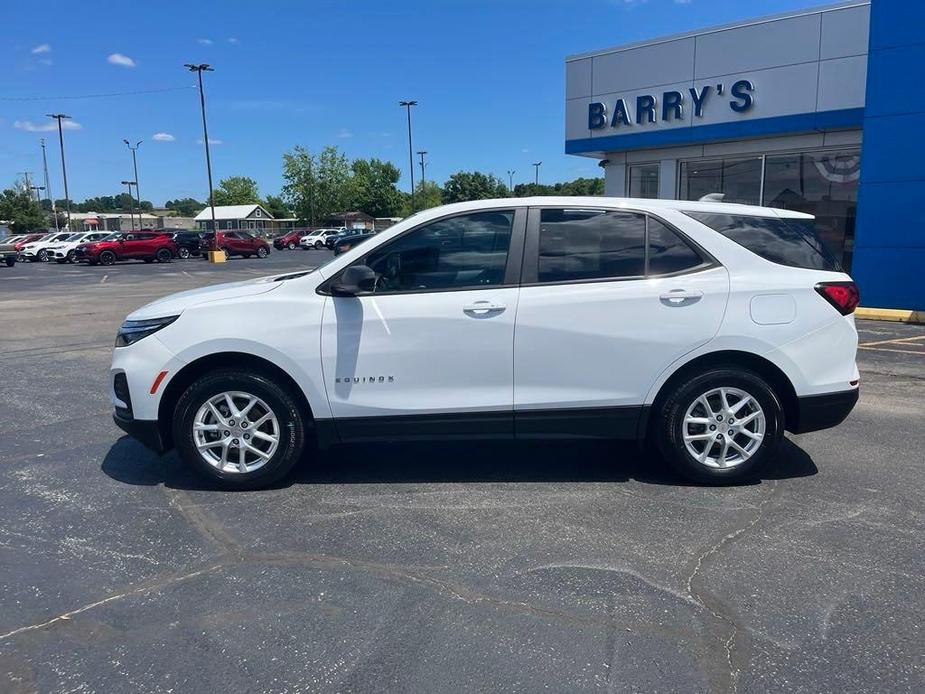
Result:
pixel 317 238
pixel 64 251
pixel 705 328
pixel 37 251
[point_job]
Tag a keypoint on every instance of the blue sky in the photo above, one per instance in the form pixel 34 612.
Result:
pixel 489 77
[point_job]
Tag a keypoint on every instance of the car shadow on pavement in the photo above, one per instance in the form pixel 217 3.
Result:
pixel 448 462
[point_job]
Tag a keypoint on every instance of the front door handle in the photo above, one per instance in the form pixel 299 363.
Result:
pixel 681 297
pixel 483 308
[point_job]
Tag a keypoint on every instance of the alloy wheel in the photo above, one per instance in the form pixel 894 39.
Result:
pixel 723 427
pixel 236 432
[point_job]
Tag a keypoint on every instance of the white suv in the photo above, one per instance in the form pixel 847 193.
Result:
pixel 37 251
pixel 65 251
pixel 704 328
pixel 317 238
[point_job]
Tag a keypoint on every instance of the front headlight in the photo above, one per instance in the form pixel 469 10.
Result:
pixel 134 330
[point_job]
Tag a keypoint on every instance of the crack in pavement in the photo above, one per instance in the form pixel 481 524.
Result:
pixel 710 602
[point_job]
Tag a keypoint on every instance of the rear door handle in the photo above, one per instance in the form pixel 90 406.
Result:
pixel 483 308
pixel 681 297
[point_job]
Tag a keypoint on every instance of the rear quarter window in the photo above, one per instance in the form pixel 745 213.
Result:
pixel 791 242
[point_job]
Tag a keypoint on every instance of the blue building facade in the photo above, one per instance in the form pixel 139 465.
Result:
pixel 816 110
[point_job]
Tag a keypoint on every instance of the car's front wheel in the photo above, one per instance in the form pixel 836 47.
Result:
pixel 319 245
pixel 239 429
pixel 42 256
pixel 262 252
pixel 164 255
pixel 183 253
pixel 720 427
pixel 291 245
pixel 107 258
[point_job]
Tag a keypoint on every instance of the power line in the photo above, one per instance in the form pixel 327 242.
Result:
pixel 96 96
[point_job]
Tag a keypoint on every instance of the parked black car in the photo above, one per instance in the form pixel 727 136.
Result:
pixel 344 242
pixel 332 240
pixel 187 242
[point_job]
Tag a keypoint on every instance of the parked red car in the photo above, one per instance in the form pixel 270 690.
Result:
pixel 235 243
pixel 140 245
pixel 290 240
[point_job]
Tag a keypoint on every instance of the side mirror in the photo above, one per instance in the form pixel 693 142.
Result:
pixel 356 279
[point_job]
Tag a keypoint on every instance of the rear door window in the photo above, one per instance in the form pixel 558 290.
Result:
pixel 785 241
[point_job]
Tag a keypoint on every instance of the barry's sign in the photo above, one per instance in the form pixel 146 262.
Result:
pixel 672 106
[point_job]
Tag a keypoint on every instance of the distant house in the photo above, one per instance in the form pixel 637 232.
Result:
pixel 243 217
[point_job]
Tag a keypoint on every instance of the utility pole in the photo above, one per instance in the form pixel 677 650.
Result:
pixel 423 164
pixel 135 165
pixel 408 105
pixel 27 182
pixel 199 69
pixel 510 179
pixel 51 199
pixel 131 201
pixel 67 198
pixel 536 168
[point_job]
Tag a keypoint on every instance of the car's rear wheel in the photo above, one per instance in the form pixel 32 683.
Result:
pixel 10 262
pixel 720 427
pixel 164 255
pixel 262 252
pixel 239 429
pixel 107 258
pixel 183 253
pixel 291 245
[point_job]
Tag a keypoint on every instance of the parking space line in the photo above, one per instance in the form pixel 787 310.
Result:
pixel 103 281
pixel 892 341
pixel 887 349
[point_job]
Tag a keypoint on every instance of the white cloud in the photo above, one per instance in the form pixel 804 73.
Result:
pixel 120 59
pixel 41 48
pixel 233 39
pixel 212 141
pixel 163 137
pixel 204 42
pixel 343 133
pixel 31 127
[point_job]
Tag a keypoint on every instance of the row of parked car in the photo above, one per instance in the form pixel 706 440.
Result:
pixel 337 240
pixel 106 248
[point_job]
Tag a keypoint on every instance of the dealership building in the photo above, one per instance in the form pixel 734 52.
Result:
pixel 817 110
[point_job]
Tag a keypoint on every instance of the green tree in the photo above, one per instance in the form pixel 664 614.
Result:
pixel 472 185
pixel 578 187
pixel 237 190
pixel 427 194
pixel 374 190
pixel 316 186
pixel 19 208
pixel 185 207
pixel 277 207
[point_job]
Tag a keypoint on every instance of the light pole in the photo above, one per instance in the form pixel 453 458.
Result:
pixel 408 105
pixel 135 165
pixel 54 212
pixel 131 201
pixel 38 197
pixel 27 182
pixel 536 168
pixel 421 154
pixel 67 198
pixel 510 179
pixel 199 69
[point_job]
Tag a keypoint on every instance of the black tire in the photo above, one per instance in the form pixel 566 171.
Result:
pixel 164 255
pixel 10 262
pixel 262 252
pixel 72 256
pixel 42 256
pixel 107 258
pixel 291 245
pixel 225 251
pixel 669 426
pixel 183 253
pixel 319 245
pixel 279 400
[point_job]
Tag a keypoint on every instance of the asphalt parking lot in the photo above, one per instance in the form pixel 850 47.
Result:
pixel 476 566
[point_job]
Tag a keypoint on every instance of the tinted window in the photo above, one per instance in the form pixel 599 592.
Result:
pixel 791 242
pixel 668 252
pixel 465 251
pixel 590 244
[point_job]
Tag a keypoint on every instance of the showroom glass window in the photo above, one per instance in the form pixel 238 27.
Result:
pixel 465 251
pixel 739 179
pixel 642 181
pixel 823 184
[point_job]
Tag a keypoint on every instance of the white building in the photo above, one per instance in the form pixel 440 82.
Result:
pixel 245 217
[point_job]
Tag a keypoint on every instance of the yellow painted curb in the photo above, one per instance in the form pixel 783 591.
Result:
pixel 891 314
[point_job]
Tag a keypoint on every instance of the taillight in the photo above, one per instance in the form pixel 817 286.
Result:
pixel 844 296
